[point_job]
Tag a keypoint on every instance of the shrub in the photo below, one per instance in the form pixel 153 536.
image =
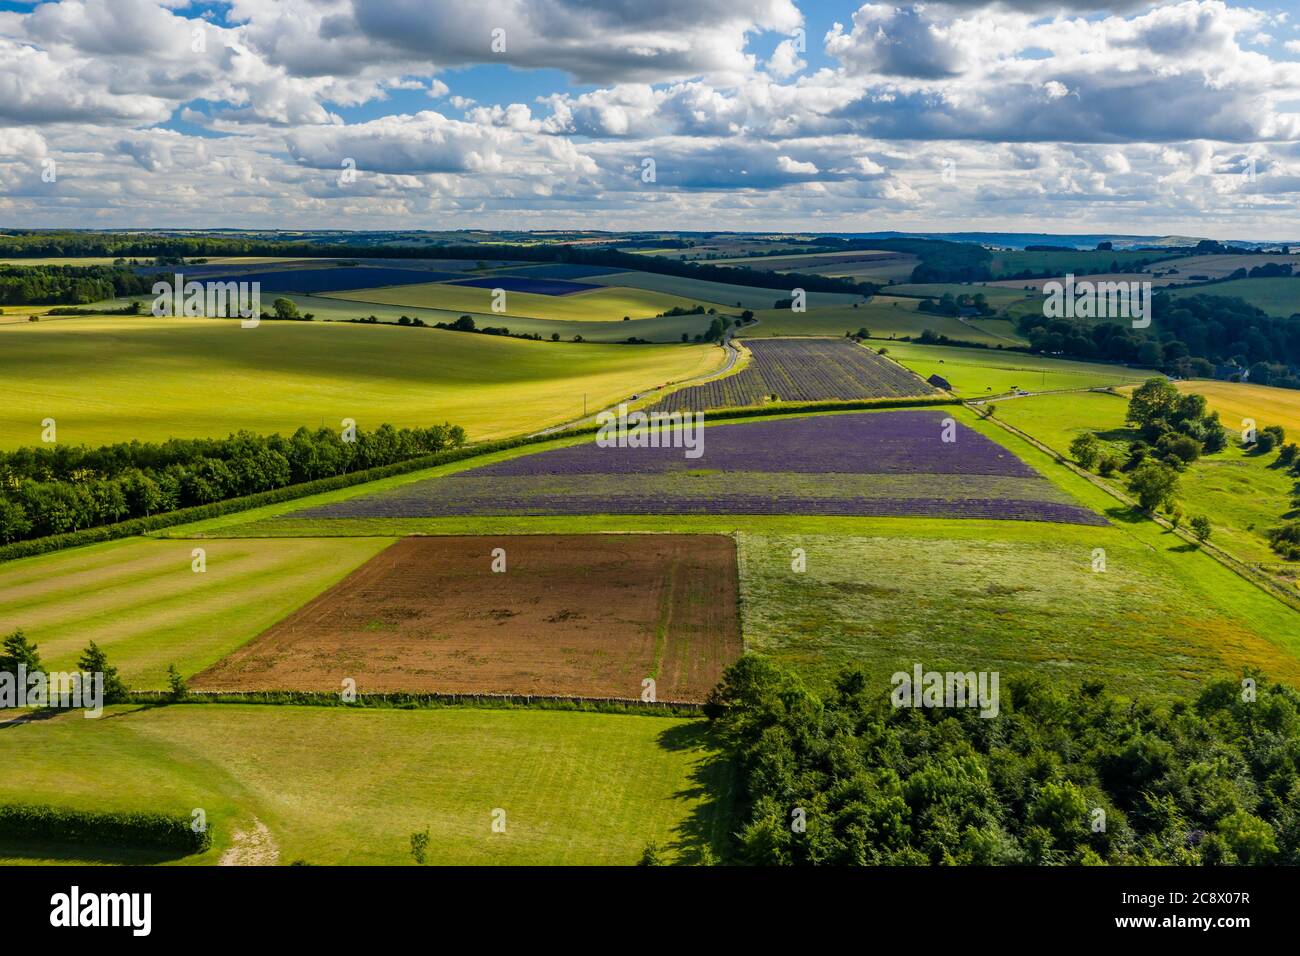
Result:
pixel 1201 528
pixel 1085 449
pixel 46 824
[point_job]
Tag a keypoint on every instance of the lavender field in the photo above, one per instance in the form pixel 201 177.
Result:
pixel 867 464
pixel 801 370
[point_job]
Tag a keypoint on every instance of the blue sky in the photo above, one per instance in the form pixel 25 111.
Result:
pixel 799 115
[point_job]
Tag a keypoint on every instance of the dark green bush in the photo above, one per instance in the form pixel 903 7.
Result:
pixel 46 824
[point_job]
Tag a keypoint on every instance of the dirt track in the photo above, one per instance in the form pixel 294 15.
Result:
pixel 572 615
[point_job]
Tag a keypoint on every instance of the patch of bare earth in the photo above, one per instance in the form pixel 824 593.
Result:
pixel 252 847
pixel 572 615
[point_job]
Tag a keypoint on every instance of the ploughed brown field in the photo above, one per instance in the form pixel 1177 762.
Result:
pixel 572 615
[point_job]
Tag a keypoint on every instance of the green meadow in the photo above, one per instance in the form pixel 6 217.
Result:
pixel 116 379
pixel 1241 492
pixel 609 304
pixel 1279 296
pixel 350 786
pixel 885 317
pixel 142 602
pixel 980 373
pixel 1058 262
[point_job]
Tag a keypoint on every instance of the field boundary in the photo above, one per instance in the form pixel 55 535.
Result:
pixel 417 701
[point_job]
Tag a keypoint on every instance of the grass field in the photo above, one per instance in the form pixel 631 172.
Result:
pixel 884 317
pixel 608 304
pixel 1241 493
pixel 658 329
pixel 989 605
pixel 996 296
pixel 335 786
pixel 974 373
pixel 1007 264
pixel 1279 297
pixel 730 296
pixel 141 601
pixel 1218 267
pixel 108 380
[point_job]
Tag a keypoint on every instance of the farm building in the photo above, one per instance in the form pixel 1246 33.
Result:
pixel 938 381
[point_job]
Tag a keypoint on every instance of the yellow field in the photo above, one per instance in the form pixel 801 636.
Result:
pixel 609 304
pixel 1237 400
pixel 114 379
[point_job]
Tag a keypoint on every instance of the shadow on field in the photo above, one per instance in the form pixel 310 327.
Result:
pixel 24 850
pixel 1126 514
pixel 713 785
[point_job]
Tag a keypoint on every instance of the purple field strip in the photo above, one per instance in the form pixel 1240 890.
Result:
pixel 802 370
pixel 895 442
pixel 538 286
pixel 441 506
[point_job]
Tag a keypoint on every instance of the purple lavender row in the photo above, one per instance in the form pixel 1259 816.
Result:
pixel 437 506
pixel 872 443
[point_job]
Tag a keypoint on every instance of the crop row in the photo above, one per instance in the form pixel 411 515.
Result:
pixel 801 370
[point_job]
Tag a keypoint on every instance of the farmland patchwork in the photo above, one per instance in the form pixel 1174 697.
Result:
pixel 918 463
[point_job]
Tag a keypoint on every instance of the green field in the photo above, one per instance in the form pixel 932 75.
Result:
pixel 976 373
pixel 1279 297
pixel 732 297
pixel 109 380
pixel 336 786
pixel 1241 493
pixel 141 601
pixel 1012 605
pixel 603 305
pixel 996 296
pixel 885 317
pixel 658 329
pixel 1009 263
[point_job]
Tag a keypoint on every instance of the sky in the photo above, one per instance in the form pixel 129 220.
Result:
pixel 1133 117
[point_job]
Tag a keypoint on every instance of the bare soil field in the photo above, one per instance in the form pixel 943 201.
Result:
pixel 571 615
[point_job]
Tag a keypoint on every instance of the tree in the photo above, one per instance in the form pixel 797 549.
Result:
pixel 285 309
pixel 1201 528
pixel 14 523
pixel 1152 401
pixel 176 683
pixel 95 661
pixel 651 856
pixel 1154 484
pixel 1085 449
pixel 16 650
pixel 420 845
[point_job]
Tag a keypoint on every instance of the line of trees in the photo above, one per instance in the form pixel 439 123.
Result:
pixel 1064 775
pixel 56 489
pixel 68 285
pixel 22 243
pixel 1192 334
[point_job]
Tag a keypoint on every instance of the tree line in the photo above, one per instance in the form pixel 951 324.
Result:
pixel 61 488
pixel 1192 334
pixel 20 244
pixel 1064 775
pixel 68 285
